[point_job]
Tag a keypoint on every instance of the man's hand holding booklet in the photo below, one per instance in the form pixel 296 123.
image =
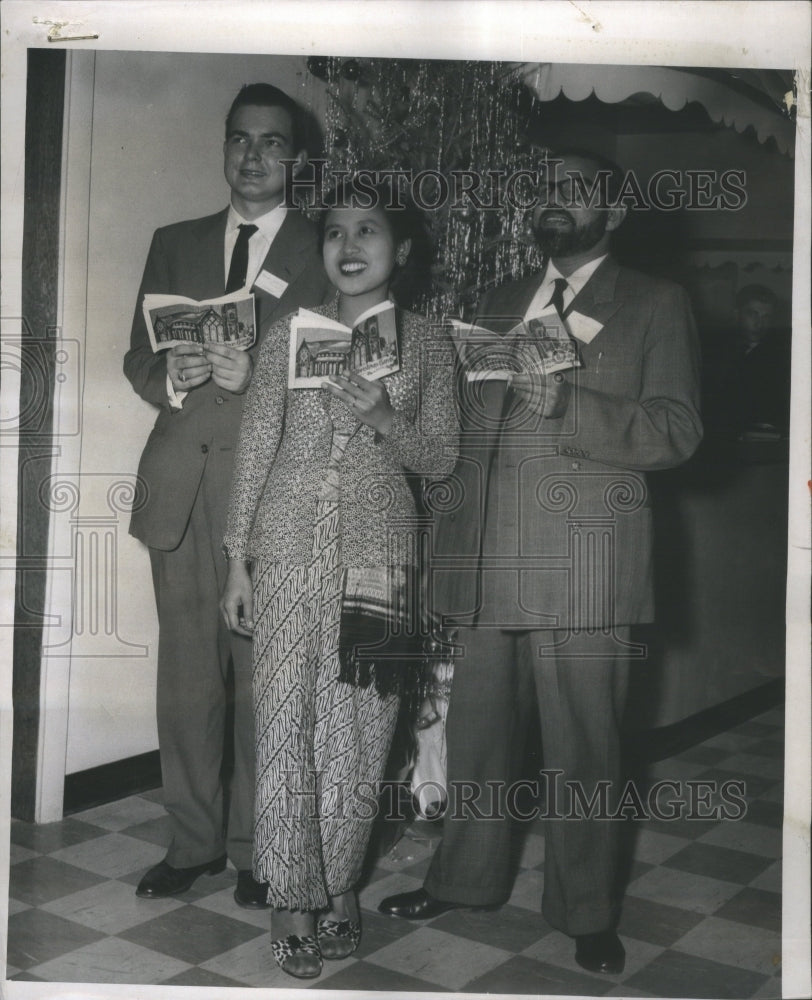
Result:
pixel 538 346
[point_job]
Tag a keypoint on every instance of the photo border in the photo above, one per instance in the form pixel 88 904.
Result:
pixel 672 34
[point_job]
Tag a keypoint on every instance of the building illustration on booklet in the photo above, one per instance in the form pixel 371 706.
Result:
pixel 541 345
pixel 175 320
pixel 321 347
pixel 333 358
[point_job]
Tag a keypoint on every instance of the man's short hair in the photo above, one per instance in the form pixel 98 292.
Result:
pixel 756 293
pixel 614 173
pixel 265 95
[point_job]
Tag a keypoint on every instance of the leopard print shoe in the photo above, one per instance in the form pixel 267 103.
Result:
pixel 294 946
pixel 338 938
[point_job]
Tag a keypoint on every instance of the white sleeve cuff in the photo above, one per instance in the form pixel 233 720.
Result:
pixel 175 398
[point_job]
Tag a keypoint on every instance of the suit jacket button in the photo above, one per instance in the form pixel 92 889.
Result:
pixel 219 400
pixel 205 449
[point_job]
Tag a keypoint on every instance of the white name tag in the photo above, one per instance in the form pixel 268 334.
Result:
pixel 583 328
pixel 271 284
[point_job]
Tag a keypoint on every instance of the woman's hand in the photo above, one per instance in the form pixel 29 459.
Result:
pixel 368 401
pixel 237 602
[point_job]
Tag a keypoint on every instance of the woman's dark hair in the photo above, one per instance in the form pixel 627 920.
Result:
pixel 410 281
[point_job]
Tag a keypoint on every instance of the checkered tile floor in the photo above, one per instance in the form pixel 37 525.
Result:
pixel 701 916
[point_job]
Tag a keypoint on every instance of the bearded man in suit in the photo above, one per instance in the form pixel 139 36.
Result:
pixel 545 561
pixel 257 244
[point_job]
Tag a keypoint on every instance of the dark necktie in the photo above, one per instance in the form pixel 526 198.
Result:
pixel 238 269
pixel 557 298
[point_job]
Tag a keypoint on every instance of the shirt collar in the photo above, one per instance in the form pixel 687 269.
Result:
pixel 268 224
pixel 578 278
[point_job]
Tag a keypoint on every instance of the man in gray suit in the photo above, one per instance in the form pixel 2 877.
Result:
pixel 545 562
pixel 258 245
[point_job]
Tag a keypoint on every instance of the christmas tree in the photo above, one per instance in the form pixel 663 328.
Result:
pixel 459 130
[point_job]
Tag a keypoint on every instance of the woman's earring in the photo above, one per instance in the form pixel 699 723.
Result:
pixel 401 257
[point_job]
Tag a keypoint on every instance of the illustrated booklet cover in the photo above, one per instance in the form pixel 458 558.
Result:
pixel 540 345
pixel 321 347
pixel 173 320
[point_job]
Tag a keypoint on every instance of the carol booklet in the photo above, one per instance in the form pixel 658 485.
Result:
pixel 321 347
pixel 173 320
pixel 540 345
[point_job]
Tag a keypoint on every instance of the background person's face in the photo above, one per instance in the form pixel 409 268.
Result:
pixel 755 319
pixel 258 138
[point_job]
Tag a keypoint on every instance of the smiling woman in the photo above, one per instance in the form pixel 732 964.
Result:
pixel 360 252
pixel 372 250
pixel 319 571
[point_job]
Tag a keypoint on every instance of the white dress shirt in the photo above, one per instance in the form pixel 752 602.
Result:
pixel 268 226
pixel 575 282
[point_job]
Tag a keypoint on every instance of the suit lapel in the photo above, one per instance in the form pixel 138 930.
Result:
pixel 285 260
pixel 597 298
pixel 205 256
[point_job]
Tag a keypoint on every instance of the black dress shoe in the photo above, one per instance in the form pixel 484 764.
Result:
pixel 250 894
pixel 164 880
pixel 601 952
pixel 416 905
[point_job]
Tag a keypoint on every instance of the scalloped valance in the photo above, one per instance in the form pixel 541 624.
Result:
pixel 673 87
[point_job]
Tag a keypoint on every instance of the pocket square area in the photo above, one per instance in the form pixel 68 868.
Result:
pixel 583 328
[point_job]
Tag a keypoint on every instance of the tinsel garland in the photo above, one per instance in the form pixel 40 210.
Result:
pixel 440 116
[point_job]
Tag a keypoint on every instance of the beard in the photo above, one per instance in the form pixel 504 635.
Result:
pixel 563 242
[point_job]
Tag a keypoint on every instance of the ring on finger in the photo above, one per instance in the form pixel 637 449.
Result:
pixel 181 377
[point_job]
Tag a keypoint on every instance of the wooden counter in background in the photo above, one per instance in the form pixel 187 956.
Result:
pixel 721 555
